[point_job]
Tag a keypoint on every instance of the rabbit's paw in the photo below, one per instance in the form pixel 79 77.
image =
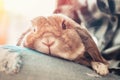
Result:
pixel 100 68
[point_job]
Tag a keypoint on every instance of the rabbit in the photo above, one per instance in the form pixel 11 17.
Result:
pixel 60 36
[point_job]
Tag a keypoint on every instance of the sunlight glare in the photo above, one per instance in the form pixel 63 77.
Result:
pixel 30 8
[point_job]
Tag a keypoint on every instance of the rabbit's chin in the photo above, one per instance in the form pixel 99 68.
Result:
pixel 59 49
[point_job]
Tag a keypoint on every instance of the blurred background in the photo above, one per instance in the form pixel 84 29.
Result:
pixel 15 16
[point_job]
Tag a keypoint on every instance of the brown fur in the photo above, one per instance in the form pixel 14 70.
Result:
pixel 60 36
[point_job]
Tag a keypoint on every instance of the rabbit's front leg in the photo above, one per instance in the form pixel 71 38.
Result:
pixel 10 62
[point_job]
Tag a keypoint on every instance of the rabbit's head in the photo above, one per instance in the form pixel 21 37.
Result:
pixel 55 35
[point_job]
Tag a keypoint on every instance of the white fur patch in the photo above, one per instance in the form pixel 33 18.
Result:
pixel 100 68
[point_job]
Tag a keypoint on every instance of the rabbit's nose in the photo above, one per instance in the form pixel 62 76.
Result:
pixel 48 43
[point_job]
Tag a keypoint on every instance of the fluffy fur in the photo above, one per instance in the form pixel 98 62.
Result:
pixel 60 36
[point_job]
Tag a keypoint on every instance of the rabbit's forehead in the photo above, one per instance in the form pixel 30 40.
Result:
pixel 55 20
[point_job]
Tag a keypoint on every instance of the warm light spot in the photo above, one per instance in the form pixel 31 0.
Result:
pixel 3 23
pixel 30 8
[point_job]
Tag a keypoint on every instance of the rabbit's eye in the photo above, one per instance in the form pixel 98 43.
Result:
pixel 63 25
pixel 34 29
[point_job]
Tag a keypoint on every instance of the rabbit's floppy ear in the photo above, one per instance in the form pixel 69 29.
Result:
pixel 22 37
pixel 90 45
